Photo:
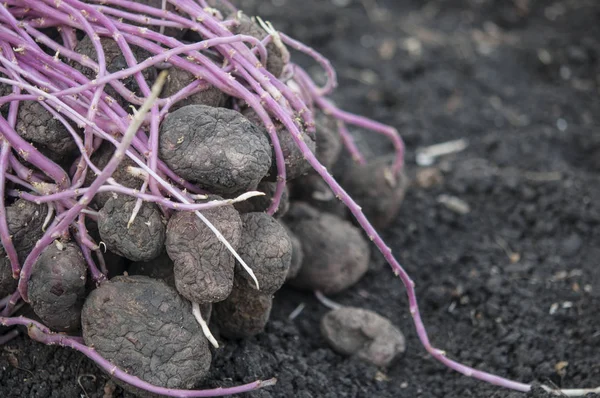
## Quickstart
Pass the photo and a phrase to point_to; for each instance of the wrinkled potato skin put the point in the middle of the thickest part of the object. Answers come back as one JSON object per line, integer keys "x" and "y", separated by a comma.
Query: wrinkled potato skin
{"x": 179, "y": 79}
{"x": 100, "y": 158}
{"x": 145, "y": 328}
{"x": 217, "y": 148}
{"x": 297, "y": 254}
{"x": 57, "y": 287}
{"x": 25, "y": 220}
{"x": 267, "y": 250}
{"x": 8, "y": 284}
{"x": 360, "y": 332}
{"x": 143, "y": 240}
{"x": 203, "y": 266}
{"x": 379, "y": 198}
{"x": 244, "y": 313}
{"x": 275, "y": 55}
{"x": 36, "y": 124}
{"x": 295, "y": 163}
{"x": 336, "y": 255}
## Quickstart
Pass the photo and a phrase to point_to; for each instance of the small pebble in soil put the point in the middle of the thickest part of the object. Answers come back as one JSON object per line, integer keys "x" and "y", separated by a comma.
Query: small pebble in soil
{"x": 364, "y": 334}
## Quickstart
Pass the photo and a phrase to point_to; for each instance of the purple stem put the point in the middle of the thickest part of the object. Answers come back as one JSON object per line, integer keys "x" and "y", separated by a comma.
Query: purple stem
{"x": 39, "y": 332}
{"x": 349, "y": 143}
{"x": 360, "y": 121}
{"x": 5, "y": 235}
{"x": 321, "y": 60}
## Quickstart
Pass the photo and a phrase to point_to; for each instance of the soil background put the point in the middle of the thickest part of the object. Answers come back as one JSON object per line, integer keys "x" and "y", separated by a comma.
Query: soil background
{"x": 511, "y": 287}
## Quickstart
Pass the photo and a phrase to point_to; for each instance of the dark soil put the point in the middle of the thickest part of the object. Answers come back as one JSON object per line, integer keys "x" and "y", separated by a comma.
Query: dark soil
{"x": 512, "y": 287}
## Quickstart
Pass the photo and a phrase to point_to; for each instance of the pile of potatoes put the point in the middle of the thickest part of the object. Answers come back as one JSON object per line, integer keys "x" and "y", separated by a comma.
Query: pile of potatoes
{"x": 163, "y": 263}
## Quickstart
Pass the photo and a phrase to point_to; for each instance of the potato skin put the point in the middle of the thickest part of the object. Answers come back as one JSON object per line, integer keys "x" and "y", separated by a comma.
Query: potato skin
{"x": 244, "y": 313}
{"x": 203, "y": 266}
{"x": 267, "y": 249}
{"x": 364, "y": 333}
{"x": 379, "y": 197}
{"x": 57, "y": 287}
{"x": 336, "y": 255}
{"x": 143, "y": 240}
{"x": 100, "y": 158}
{"x": 295, "y": 163}
{"x": 145, "y": 328}
{"x": 161, "y": 268}
{"x": 329, "y": 143}
{"x": 25, "y": 220}
{"x": 36, "y": 124}
{"x": 179, "y": 79}
{"x": 8, "y": 284}
{"x": 217, "y": 148}
{"x": 297, "y": 254}
{"x": 275, "y": 55}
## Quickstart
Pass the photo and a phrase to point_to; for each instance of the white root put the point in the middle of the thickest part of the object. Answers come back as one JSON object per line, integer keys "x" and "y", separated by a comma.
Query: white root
{"x": 203, "y": 325}
{"x": 327, "y": 302}
{"x": 571, "y": 392}
{"x": 49, "y": 216}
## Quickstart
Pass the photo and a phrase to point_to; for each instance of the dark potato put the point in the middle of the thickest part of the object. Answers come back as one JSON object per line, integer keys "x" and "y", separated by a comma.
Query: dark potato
{"x": 360, "y": 332}
{"x": 373, "y": 187}
{"x": 115, "y": 62}
{"x": 267, "y": 250}
{"x": 295, "y": 163}
{"x": 100, "y": 158}
{"x": 37, "y": 125}
{"x": 178, "y": 79}
{"x": 336, "y": 255}
{"x": 329, "y": 143}
{"x": 297, "y": 254}
{"x": 143, "y": 240}
{"x": 244, "y": 313}
{"x": 25, "y": 220}
{"x": 262, "y": 203}
{"x": 160, "y": 267}
{"x": 215, "y": 147}
{"x": 312, "y": 189}
{"x": 8, "y": 284}
{"x": 145, "y": 328}
{"x": 202, "y": 264}
{"x": 275, "y": 54}
{"x": 57, "y": 287}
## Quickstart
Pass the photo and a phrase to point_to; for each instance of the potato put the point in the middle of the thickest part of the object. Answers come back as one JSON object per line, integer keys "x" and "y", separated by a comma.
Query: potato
{"x": 217, "y": 148}
{"x": 57, "y": 286}
{"x": 203, "y": 266}
{"x": 336, "y": 255}
{"x": 244, "y": 313}
{"x": 143, "y": 240}
{"x": 363, "y": 333}
{"x": 267, "y": 249}
{"x": 373, "y": 187}
{"x": 145, "y": 328}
